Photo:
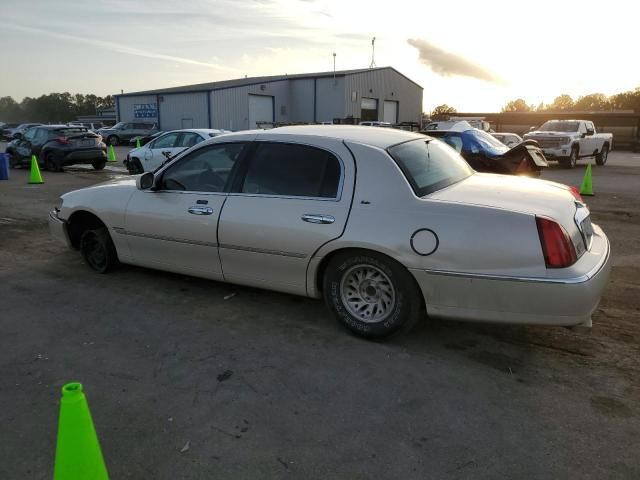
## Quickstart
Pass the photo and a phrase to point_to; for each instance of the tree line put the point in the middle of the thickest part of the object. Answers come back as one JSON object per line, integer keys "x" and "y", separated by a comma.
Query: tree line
{"x": 594, "y": 102}
{"x": 52, "y": 108}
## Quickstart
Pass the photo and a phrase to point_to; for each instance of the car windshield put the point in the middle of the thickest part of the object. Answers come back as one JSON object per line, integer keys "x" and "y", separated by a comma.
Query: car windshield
{"x": 429, "y": 165}
{"x": 556, "y": 126}
{"x": 487, "y": 141}
{"x": 118, "y": 125}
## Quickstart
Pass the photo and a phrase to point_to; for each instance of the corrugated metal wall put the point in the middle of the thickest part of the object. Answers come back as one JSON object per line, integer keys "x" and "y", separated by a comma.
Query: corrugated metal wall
{"x": 384, "y": 85}
{"x": 330, "y": 98}
{"x": 125, "y": 107}
{"x": 230, "y": 107}
{"x": 301, "y": 100}
{"x": 183, "y": 110}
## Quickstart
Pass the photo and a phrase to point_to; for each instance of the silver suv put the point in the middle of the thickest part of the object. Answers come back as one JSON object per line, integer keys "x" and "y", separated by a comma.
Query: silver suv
{"x": 125, "y": 131}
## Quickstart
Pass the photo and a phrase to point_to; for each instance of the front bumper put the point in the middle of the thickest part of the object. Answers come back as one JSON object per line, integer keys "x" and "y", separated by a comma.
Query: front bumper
{"x": 555, "y": 153}
{"x": 58, "y": 228}
{"x": 552, "y": 300}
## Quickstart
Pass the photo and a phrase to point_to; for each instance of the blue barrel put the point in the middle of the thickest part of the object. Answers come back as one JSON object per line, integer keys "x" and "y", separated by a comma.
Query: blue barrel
{"x": 4, "y": 166}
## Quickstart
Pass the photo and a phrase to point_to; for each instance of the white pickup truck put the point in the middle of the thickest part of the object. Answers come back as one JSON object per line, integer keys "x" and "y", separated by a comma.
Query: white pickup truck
{"x": 568, "y": 140}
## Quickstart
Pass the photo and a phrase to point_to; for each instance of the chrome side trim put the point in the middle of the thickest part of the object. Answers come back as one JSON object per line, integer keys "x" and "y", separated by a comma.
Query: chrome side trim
{"x": 262, "y": 250}
{"x": 512, "y": 278}
{"x": 122, "y": 231}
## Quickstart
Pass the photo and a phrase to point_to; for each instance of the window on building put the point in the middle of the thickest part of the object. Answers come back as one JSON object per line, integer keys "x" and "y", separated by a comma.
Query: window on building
{"x": 369, "y": 109}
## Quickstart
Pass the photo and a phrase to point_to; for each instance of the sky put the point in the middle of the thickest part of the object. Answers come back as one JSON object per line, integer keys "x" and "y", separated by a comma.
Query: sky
{"x": 473, "y": 55}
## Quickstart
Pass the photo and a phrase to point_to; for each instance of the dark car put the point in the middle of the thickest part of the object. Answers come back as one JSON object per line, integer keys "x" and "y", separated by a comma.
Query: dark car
{"x": 56, "y": 146}
{"x": 144, "y": 139}
{"x": 6, "y": 130}
{"x": 122, "y": 132}
{"x": 486, "y": 154}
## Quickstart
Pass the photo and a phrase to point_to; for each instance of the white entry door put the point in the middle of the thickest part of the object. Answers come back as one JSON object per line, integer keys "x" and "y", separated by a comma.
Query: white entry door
{"x": 390, "y": 111}
{"x": 260, "y": 110}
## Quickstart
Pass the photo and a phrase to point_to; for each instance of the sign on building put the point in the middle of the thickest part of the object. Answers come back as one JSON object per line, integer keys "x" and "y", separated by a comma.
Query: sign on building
{"x": 145, "y": 110}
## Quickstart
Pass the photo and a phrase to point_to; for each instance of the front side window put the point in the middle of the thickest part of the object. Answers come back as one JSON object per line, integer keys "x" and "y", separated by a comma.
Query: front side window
{"x": 165, "y": 141}
{"x": 292, "y": 170}
{"x": 429, "y": 165}
{"x": 188, "y": 139}
{"x": 206, "y": 170}
{"x": 31, "y": 133}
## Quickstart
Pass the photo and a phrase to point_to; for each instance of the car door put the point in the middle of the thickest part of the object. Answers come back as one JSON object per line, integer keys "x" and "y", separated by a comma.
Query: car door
{"x": 174, "y": 227}
{"x": 291, "y": 199}
{"x": 157, "y": 151}
{"x": 590, "y": 138}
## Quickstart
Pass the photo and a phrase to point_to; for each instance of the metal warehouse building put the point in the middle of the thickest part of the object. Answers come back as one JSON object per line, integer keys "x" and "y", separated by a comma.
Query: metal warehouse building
{"x": 351, "y": 95}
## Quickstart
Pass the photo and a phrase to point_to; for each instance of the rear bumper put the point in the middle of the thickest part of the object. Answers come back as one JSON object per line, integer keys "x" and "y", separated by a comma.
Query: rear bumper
{"x": 58, "y": 228}
{"x": 535, "y": 301}
{"x": 85, "y": 156}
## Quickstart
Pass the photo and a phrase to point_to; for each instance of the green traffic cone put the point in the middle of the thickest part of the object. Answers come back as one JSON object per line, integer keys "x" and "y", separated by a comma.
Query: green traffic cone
{"x": 586, "y": 188}
{"x": 34, "y": 176}
{"x": 78, "y": 454}
{"x": 112, "y": 154}
{"x": 138, "y": 142}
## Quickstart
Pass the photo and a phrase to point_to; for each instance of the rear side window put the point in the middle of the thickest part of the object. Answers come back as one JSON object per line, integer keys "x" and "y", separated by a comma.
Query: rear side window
{"x": 285, "y": 169}
{"x": 429, "y": 165}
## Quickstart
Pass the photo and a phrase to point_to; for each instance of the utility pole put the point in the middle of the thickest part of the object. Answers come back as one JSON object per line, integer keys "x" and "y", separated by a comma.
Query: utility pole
{"x": 334, "y": 68}
{"x": 373, "y": 52}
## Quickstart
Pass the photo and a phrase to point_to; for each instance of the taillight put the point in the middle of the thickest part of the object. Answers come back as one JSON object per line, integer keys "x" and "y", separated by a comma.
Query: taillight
{"x": 557, "y": 248}
{"x": 63, "y": 140}
{"x": 576, "y": 194}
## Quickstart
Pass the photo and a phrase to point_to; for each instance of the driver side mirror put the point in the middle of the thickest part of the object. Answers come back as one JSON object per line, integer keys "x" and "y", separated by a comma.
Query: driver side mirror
{"x": 17, "y": 135}
{"x": 145, "y": 181}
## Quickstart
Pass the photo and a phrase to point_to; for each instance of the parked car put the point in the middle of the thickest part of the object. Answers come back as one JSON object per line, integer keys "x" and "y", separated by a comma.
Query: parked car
{"x": 6, "y": 130}
{"x": 569, "y": 140}
{"x": 150, "y": 156}
{"x": 388, "y": 226}
{"x": 448, "y": 124}
{"x": 509, "y": 139}
{"x": 144, "y": 139}
{"x": 486, "y": 154}
{"x": 122, "y": 132}
{"x": 14, "y": 133}
{"x": 56, "y": 146}
{"x": 94, "y": 126}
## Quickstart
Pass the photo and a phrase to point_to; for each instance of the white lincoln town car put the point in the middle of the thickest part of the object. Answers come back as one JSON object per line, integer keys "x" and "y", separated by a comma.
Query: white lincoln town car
{"x": 388, "y": 226}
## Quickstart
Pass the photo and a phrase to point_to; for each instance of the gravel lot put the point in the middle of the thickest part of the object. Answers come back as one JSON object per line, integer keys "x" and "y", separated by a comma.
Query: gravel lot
{"x": 262, "y": 385}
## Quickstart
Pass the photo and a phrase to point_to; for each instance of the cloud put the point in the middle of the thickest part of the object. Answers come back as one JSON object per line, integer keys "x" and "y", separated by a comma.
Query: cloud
{"x": 445, "y": 63}
{"x": 119, "y": 48}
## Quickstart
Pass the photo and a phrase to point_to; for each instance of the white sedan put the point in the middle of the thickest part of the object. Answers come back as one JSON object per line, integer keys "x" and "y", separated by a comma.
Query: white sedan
{"x": 388, "y": 226}
{"x": 150, "y": 156}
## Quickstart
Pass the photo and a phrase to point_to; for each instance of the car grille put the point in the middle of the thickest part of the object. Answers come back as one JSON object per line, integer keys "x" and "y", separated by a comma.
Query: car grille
{"x": 551, "y": 142}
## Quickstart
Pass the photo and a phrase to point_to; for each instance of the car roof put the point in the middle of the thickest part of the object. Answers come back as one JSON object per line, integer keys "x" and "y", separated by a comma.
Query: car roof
{"x": 377, "y": 137}
{"x": 56, "y": 127}
{"x": 203, "y": 131}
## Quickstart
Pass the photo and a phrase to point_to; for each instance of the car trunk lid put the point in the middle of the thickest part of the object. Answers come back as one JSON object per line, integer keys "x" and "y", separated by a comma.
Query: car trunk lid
{"x": 522, "y": 194}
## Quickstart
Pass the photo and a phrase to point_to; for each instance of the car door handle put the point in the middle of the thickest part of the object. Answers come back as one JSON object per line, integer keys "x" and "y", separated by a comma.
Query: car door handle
{"x": 317, "y": 218}
{"x": 201, "y": 210}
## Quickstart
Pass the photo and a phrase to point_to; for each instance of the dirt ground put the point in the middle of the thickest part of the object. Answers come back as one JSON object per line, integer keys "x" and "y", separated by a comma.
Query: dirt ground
{"x": 195, "y": 379}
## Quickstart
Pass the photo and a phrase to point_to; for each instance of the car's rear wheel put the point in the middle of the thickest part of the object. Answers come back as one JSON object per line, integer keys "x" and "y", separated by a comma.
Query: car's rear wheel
{"x": 98, "y": 250}
{"x": 601, "y": 158}
{"x": 14, "y": 161}
{"x": 113, "y": 140}
{"x": 51, "y": 163}
{"x": 572, "y": 160}
{"x": 370, "y": 294}
{"x": 98, "y": 164}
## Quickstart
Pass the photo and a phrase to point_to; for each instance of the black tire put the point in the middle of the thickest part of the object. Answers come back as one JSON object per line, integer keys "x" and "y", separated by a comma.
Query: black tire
{"x": 113, "y": 140}
{"x": 51, "y": 163}
{"x": 601, "y": 158}
{"x": 98, "y": 250}
{"x": 135, "y": 166}
{"x": 572, "y": 160}
{"x": 14, "y": 162}
{"x": 98, "y": 164}
{"x": 403, "y": 312}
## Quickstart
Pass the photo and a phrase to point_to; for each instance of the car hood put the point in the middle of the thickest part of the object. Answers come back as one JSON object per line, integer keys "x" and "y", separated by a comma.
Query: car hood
{"x": 121, "y": 184}
{"x": 514, "y": 193}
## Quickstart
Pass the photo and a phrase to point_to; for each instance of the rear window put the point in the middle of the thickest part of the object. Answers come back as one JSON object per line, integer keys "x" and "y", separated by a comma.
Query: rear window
{"x": 429, "y": 165}
{"x": 65, "y": 132}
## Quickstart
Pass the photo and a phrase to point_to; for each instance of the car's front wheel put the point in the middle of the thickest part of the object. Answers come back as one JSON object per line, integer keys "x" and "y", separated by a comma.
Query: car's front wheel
{"x": 371, "y": 294}
{"x": 51, "y": 163}
{"x": 571, "y": 161}
{"x": 601, "y": 158}
{"x": 98, "y": 250}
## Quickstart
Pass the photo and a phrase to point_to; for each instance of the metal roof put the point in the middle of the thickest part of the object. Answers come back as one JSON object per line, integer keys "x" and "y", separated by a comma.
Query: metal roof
{"x": 241, "y": 82}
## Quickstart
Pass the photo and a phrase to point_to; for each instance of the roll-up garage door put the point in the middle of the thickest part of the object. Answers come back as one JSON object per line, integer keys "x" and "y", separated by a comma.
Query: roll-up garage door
{"x": 390, "y": 111}
{"x": 260, "y": 110}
